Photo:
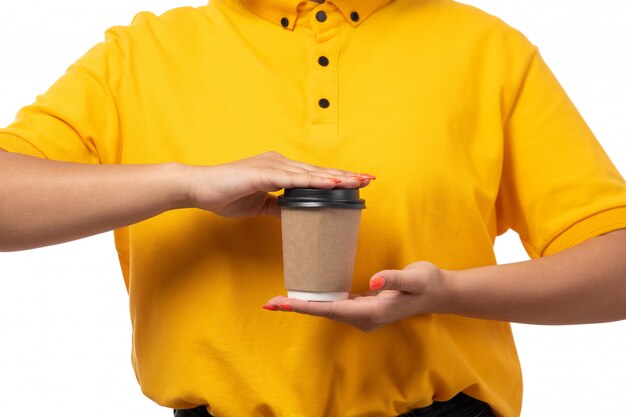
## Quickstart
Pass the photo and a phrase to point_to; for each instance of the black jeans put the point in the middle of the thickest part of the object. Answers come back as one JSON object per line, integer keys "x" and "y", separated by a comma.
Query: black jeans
{"x": 460, "y": 406}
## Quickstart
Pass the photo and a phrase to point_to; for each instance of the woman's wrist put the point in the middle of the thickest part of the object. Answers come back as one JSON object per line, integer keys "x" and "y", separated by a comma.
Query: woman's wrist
{"x": 445, "y": 293}
{"x": 478, "y": 292}
{"x": 178, "y": 180}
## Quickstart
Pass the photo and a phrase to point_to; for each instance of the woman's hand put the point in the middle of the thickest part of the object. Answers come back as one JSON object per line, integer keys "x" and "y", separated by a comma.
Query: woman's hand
{"x": 417, "y": 289}
{"x": 45, "y": 202}
{"x": 240, "y": 188}
{"x": 585, "y": 283}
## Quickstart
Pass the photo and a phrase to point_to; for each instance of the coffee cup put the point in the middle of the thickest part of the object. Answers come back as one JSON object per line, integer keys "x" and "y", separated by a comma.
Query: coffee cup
{"x": 320, "y": 230}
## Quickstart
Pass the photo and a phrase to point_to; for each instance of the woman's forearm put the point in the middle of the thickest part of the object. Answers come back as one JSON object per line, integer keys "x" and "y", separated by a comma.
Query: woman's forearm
{"x": 46, "y": 202}
{"x": 583, "y": 284}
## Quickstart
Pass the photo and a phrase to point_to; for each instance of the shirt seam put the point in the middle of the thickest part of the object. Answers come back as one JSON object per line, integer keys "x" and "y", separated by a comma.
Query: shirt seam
{"x": 520, "y": 86}
{"x": 571, "y": 236}
{"x": 20, "y": 139}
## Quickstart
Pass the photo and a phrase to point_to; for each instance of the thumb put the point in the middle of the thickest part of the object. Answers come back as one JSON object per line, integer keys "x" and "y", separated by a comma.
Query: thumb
{"x": 387, "y": 280}
{"x": 409, "y": 280}
{"x": 270, "y": 206}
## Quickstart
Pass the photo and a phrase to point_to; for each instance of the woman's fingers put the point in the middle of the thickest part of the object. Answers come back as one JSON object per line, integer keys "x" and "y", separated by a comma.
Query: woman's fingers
{"x": 337, "y": 173}
{"x": 365, "y": 312}
{"x": 302, "y": 167}
{"x": 278, "y": 179}
{"x": 315, "y": 170}
{"x": 357, "y": 308}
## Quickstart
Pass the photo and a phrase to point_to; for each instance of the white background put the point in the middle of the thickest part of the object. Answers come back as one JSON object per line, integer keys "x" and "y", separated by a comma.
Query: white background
{"x": 64, "y": 325}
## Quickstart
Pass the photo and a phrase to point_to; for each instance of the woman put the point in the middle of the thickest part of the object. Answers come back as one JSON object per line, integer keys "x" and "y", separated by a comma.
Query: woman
{"x": 455, "y": 112}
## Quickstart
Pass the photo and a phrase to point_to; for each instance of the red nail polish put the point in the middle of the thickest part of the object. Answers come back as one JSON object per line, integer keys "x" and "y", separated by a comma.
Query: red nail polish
{"x": 335, "y": 180}
{"x": 270, "y": 307}
{"x": 368, "y": 176}
{"x": 286, "y": 307}
{"x": 377, "y": 283}
{"x": 359, "y": 177}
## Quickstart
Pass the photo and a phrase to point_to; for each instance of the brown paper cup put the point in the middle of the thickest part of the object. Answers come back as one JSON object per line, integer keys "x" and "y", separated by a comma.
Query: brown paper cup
{"x": 319, "y": 251}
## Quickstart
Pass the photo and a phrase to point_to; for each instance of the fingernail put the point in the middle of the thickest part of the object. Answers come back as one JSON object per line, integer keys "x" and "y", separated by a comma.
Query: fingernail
{"x": 368, "y": 176}
{"x": 270, "y": 307}
{"x": 377, "y": 283}
{"x": 359, "y": 177}
{"x": 286, "y": 307}
{"x": 335, "y": 180}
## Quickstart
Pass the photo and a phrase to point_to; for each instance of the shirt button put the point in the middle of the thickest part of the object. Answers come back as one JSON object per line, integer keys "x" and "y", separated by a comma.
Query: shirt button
{"x": 354, "y": 16}
{"x": 323, "y": 61}
{"x": 324, "y": 103}
{"x": 284, "y": 22}
{"x": 320, "y": 16}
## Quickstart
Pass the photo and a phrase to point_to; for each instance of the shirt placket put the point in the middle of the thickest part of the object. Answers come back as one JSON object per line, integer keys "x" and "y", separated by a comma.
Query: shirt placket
{"x": 322, "y": 39}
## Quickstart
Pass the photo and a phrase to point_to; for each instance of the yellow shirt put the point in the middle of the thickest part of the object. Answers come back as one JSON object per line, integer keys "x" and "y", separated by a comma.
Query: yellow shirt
{"x": 455, "y": 112}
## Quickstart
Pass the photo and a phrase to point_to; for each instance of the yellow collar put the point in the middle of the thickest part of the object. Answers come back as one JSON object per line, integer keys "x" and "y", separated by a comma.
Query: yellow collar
{"x": 284, "y": 12}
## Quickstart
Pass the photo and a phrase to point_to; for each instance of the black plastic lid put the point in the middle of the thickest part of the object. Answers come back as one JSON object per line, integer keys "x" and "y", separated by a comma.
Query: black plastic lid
{"x": 347, "y": 198}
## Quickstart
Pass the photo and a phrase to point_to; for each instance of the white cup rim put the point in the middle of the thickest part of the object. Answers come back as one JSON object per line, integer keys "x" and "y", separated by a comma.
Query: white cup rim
{"x": 318, "y": 296}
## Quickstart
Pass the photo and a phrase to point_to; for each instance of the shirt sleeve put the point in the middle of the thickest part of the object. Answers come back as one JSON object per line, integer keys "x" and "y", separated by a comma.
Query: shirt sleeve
{"x": 76, "y": 119}
{"x": 558, "y": 186}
